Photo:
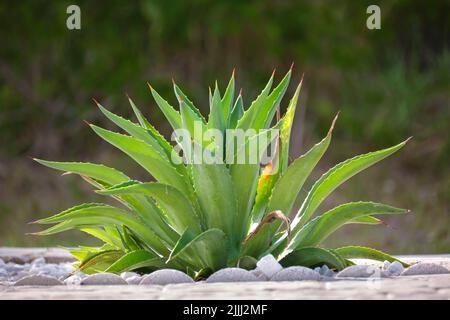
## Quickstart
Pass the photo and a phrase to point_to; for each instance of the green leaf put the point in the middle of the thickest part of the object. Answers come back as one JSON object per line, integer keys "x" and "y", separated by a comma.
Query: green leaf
{"x": 169, "y": 112}
{"x": 142, "y": 120}
{"x": 334, "y": 177}
{"x": 317, "y": 230}
{"x": 95, "y": 171}
{"x": 269, "y": 107}
{"x": 136, "y": 260}
{"x": 215, "y": 191}
{"x": 366, "y": 220}
{"x": 152, "y": 131}
{"x": 211, "y": 246}
{"x": 227, "y": 100}
{"x": 288, "y": 186}
{"x": 237, "y": 112}
{"x": 312, "y": 257}
{"x": 285, "y": 132}
{"x": 286, "y": 190}
{"x": 102, "y": 257}
{"x": 182, "y": 97}
{"x": 104, "y": 236}
{"x": 216, "y": 119}
{"x": 62, "y": 215}
{"x": 101, "y": 216}
{"x": 249, "y": 117}
{"x": 129, "y": 240}
{"x": 357, "y": 252}
{"x": 179, "y": 210}
{"x": 247, "y": 263}
{"x": 151, "y": 160}
{"x": 190, "y": 121}
{"x": 245, "y": 176}
{"x": 136, "y": 131}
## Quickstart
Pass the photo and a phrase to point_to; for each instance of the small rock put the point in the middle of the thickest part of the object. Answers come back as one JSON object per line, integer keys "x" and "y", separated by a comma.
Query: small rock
{"x": 2, "y": 263}
{"x": 20, "y": 275}
{"x": 360, "y": 271}
{"x": 425, "y": 268}
{"x": 296, "y": 273}
{"x": 126, "y": 275}
{"x": 326, "y": 272}
{"x": 395, "y": 268}
{"x": 3, "y": 274}
{"x": 259, "y": 275}
{"x": 386, "y": 265}
{"x": 38, "y": 261}
{"x": 268, "y": 265}
{"x": 73, "y": 280}
{"x": 14, "y": 268}
{"x": 35, "y": 280}
{"x": 166, "y": 276}
{"x": 232, "y": 275}
{"x": 104, "y": 278}
{"x": 134, "y": 280}
{"x": 67, "y": 267}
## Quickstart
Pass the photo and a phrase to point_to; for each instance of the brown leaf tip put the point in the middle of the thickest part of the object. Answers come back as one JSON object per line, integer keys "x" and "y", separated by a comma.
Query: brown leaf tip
{"x": 333, "y": 123}
{"x": 96, "y": 102}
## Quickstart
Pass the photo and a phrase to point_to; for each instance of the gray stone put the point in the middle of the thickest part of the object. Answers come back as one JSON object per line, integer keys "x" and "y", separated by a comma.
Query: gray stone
{"x": 104, "y": 278}
{"x": 166, "y": 276}
{"x": 232, "y": 275}
{"x": 3, "y": 273}
{"x": 259, "y": 275}
{"x": 325, "y": 271}
{"x": 360, "y": 271}
{"x": 36, "y": 280}
{"x": 268, "y": 265}
{"x": 73, "y": 280}
{"x": 2, "y": 263}
{"x": 395, "y": 268}
{"x": 296, "y": 274}
{"x": 126, "y": 275}
{"x": 134, "y": 280}
{"x": 385, "y": 265}
{"x": 425, "y": 268}
{"x": 24, "y": 255}
{"x": 38, "y": 261}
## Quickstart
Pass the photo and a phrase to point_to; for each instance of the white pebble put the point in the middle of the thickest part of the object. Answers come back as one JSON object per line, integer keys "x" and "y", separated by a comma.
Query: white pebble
{"x": 38, "y": 261}
{"x": 386, "y": 265}
{"x": 166, "y": 276}
{"x": 3, "y": 273}
{"x": 425, "y": 268}
{"x": 259, "y": 275}
{"x": 232, "y": 275}
{"x": 126, "y": 275}
{"x": 103, "y": 278}
{"x": 38, "y": 281}
{"x": 73, "y": 280}
{"x": 395, "y": 268}
{"x": 268, "y": 265}
{"x": 360, "y": 271}
{"x": 134, "y": 280}
{"x": 296, "y": 273}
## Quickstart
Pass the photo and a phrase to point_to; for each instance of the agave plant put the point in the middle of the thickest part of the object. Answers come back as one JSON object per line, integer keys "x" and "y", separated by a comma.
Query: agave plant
{"x": 201, "y": 217}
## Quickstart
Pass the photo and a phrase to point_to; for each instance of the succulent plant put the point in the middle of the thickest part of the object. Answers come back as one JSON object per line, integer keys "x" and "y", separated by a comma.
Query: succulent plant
{"x": 199, "y": 217}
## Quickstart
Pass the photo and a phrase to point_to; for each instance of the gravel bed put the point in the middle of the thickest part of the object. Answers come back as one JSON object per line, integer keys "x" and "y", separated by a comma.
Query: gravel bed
{"x": 38, "y": 272}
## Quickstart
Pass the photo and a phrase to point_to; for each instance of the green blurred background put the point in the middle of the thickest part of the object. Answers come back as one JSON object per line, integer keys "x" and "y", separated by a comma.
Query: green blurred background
{"x": 389, "y": 84}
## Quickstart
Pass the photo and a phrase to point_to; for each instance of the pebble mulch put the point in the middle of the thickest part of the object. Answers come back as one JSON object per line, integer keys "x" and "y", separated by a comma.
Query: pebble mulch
{"x": 40, "y": 273}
